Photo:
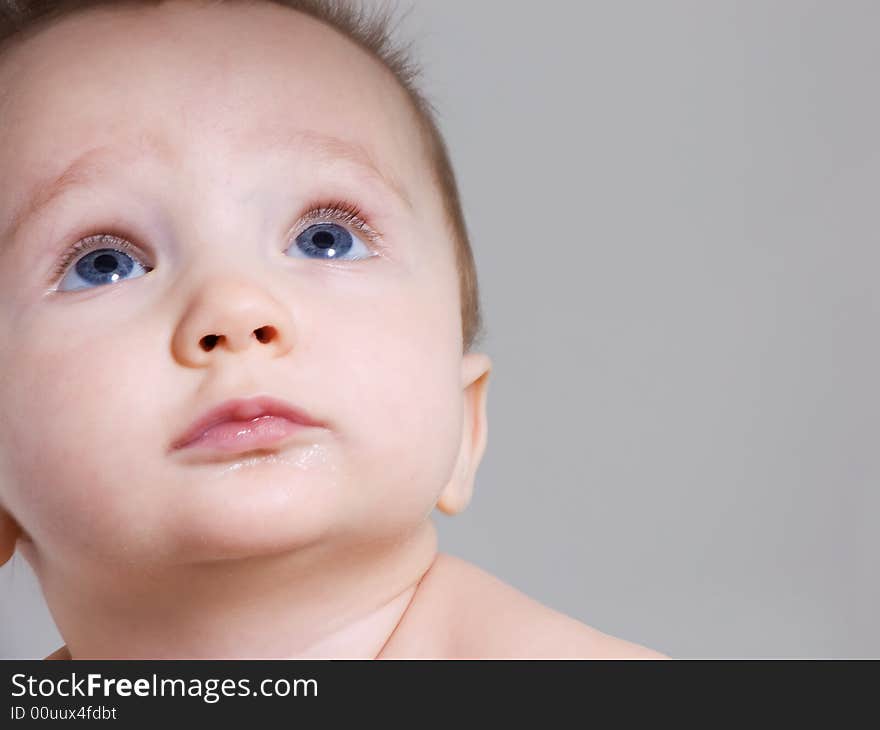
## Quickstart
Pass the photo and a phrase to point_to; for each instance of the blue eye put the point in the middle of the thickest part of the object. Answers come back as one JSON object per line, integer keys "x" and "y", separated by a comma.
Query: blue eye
{"x": 107, "y": 265}
{"x": 329, "y": 241}
{"x": 109, "y": 258}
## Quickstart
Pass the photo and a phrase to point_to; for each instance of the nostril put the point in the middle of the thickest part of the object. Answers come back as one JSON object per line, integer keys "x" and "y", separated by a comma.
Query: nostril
{"x": 264, "y": 334}
{"x": 209, "y": 341}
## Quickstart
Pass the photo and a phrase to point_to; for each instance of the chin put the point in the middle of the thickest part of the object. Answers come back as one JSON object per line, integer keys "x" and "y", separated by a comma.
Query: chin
{"x": 257, "y": 516}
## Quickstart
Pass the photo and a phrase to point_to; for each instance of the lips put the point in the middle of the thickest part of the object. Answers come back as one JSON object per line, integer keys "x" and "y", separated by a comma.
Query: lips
{"x": 245, "y": 422}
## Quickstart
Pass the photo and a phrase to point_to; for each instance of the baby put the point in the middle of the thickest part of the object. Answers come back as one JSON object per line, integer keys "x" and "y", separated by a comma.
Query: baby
{"x": 239, "y": 311}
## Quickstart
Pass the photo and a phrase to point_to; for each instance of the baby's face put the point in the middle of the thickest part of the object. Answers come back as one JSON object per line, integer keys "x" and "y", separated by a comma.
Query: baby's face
{"x": 206, "y": 139}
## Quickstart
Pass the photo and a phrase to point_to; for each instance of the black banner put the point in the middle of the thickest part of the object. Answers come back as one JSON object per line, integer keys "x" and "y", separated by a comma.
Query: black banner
{"x": 561, "y": 692}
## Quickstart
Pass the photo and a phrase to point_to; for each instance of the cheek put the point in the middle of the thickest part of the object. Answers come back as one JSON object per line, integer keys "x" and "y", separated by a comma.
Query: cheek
{"x": 71, "y": 421}
{"x": 398, "y": 392}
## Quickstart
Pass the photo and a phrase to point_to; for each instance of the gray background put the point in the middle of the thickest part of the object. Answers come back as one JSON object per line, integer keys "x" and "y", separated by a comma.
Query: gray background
{"x": 674, "y": 213}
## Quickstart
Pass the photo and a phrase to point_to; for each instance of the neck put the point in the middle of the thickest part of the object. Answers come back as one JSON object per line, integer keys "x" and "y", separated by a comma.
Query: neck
{"x": 316, "y": 603}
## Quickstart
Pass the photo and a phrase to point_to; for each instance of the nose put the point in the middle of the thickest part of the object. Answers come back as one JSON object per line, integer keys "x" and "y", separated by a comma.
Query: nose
{"x": 232, "y": 316}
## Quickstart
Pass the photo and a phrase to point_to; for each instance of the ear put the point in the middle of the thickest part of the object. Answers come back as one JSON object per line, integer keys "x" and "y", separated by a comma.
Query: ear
{"x": 9, "y": 534}
{"x": 475, "y": 369}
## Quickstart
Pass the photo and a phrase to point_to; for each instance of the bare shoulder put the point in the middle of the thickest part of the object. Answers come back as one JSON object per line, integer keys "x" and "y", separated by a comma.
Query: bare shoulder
{"x": 60, "y": 654}
{"x": 462, "y": 611}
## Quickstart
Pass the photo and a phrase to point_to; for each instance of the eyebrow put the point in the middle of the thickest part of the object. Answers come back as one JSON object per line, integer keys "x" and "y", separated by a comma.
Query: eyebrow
{"x": 92, "y": 164}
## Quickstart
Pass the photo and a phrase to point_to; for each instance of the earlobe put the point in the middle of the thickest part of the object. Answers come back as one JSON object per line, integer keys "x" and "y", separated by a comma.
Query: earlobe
{"x": 9, "y": 534}
{"x": 475, "y": 371}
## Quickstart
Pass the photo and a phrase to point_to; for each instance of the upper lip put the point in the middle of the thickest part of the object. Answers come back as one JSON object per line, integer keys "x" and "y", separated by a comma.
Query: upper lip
{"x": 243, "y": 409}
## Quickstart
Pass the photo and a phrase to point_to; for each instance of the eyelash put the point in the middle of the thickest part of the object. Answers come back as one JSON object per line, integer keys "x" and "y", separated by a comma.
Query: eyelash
{"x": 339, "y": 211}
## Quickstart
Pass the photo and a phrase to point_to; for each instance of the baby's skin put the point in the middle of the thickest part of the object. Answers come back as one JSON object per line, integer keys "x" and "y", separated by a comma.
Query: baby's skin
{"x": 459, "y": 611}
{"x": 206, "y": 140}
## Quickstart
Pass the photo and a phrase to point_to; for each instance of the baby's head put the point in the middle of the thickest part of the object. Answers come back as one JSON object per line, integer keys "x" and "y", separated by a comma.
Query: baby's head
{"x": 205, "y": 201}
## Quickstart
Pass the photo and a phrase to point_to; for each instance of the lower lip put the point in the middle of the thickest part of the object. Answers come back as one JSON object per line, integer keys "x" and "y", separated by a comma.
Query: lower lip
{"x": 238, "y": 436}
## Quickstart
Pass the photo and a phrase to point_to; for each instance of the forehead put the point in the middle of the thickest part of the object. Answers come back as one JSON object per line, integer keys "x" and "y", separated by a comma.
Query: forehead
{"x": 190, "y": 80}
